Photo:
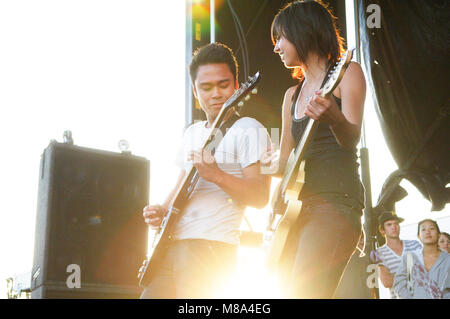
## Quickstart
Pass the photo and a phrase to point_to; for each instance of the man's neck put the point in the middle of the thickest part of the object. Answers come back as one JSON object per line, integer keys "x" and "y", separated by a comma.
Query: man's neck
{"x": 210, "y": 121}
{"x": 394, "y": 242}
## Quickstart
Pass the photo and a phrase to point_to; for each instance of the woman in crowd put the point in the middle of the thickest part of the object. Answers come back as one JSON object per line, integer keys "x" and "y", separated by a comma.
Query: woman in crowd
{"x": 444, "y": 242}
{"x": 424, "y": 274}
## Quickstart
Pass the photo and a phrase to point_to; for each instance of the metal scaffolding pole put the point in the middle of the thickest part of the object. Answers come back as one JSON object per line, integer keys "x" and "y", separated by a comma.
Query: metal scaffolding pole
{"x": 369, "y": 222}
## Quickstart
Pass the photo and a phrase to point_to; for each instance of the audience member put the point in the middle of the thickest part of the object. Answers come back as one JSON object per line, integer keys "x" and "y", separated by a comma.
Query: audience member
{"x": 444, "y": 242}
{"x": 389, "y": 256}
{"x": 424, "y": 274}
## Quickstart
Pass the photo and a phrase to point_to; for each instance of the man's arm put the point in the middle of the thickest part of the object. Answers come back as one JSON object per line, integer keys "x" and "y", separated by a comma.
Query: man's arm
{"x": 251, "y": 190}
{"x": 153, "y": 213}
{"x": 387, "y": 279}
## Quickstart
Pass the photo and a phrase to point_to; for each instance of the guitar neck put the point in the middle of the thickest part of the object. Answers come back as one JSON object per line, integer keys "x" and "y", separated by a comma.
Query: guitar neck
{"x": 192, "y": 176}
{"x": 190, "y": 180}
{"x": 181, "y": 194}
{"x": 302, "y": 145}
{"x": 307, "y": 136}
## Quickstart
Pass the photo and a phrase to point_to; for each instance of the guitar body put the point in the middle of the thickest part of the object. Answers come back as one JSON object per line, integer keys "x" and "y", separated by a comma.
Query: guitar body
{"x": 291, "y": 210}
{"x": 158, "y": 248}
{"x": 163, "y": 236}
{"x": 285, "y": 200}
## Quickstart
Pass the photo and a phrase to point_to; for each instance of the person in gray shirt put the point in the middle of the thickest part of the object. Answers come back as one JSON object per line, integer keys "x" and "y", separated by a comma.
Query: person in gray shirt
{"x": 424, "y": 274}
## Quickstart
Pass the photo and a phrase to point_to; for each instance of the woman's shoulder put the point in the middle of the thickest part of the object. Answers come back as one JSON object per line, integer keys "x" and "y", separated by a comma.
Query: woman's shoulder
{"x": 352, "y": 80}
{"x": 289, "y": 96}
{"x": 446, "y": 256}
{"x": 290, "y": 92}
{"x": 354, "y": 73}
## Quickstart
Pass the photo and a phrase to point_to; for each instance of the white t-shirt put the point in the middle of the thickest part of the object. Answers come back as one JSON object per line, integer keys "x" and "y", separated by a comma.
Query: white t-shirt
{"x": 392, "y": 261}
{"x": 210, "y": 212}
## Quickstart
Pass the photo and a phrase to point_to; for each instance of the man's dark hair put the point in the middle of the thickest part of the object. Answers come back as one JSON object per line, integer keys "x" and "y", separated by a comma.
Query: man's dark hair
{"x": 310, "y": 27}
{"x": 213, "y": 53}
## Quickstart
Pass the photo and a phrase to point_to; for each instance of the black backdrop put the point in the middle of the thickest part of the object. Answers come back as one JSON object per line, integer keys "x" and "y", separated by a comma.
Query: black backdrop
{"x": 408, "y": 61}
{"x": 256, "y": 18}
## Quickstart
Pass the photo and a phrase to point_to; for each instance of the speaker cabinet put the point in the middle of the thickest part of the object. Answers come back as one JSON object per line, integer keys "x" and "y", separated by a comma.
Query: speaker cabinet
{"x": 89, "y": 226}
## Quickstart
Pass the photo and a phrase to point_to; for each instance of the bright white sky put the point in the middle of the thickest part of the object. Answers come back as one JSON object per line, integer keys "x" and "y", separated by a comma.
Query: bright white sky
{"x": 106, "y": 70}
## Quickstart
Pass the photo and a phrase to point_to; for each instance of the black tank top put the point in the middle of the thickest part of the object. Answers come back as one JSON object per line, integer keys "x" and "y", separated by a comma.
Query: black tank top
{"x": 331, "y": 171}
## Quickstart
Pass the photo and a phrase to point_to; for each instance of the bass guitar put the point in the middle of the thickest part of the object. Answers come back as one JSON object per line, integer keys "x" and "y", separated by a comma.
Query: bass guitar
{"x": 285, "y": 203}
{"x": 164, "y": 232}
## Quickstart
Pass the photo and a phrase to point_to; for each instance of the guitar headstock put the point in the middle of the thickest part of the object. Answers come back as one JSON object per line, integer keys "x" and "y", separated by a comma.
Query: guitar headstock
{"x": 243, "y": 92}
{"x": 337, "y": 73}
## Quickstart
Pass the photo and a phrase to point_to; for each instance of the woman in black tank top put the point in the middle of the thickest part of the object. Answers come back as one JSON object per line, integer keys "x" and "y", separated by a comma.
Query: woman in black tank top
{"x": 329, "y": 225}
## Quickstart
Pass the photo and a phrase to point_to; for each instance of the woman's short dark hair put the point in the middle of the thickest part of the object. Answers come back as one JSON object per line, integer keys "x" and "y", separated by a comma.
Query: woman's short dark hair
{"x": 427, "y": 220}
{"x": 311, "y": 27}
{"x": 213, "y": 53}
{"x": 446, "y": 235}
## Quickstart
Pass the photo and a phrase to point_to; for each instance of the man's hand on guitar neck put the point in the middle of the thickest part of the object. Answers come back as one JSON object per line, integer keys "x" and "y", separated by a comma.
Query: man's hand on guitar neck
{"x": 270, "y": 161}
{"x": 206, "y": 165}
{"x": 250, "y": 190}
{"x": 153, "y": 215}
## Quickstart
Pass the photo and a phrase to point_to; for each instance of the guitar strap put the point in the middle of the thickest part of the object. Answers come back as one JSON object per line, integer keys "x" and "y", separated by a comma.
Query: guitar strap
{"x": 212, "y": 146}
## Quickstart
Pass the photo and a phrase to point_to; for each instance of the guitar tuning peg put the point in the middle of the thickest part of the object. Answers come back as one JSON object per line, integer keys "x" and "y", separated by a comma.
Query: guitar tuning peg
{"x": 255, "y": 91}
{"x": 247, "y": 97}
{"x": 241, "y": 104}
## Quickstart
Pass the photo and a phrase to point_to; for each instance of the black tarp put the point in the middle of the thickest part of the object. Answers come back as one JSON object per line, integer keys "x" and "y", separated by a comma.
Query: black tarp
{"x": 407, "y": 61}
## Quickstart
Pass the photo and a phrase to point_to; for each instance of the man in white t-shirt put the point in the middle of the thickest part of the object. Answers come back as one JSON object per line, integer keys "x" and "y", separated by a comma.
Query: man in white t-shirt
{"x": 206, "y": 236}
{"x": 389, "y": 256}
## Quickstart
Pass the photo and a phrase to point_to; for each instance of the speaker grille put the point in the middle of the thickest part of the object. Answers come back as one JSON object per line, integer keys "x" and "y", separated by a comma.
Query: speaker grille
{"x": 89, "y": 213}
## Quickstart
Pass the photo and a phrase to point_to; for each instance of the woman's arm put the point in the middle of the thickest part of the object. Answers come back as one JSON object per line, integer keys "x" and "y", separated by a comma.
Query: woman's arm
{"x": 345, "y": 124}
{"x": 287, "y": 142}
{"x": 353, "y": 94}
{"x": 271, "y": 163}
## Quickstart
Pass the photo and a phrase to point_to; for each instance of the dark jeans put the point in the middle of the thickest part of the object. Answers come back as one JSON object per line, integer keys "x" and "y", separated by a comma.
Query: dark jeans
{"x": 318, "y": 249}
{"x": 192, "y": 268}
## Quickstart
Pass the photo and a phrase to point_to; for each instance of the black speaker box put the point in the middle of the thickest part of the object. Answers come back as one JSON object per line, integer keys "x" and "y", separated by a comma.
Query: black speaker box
{"x": 89, "y": 215}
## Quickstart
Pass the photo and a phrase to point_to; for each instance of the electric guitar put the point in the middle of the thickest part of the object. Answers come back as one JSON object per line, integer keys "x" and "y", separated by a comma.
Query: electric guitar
{"x": 164, "y": 232}
{"x": 285, "y": 198}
